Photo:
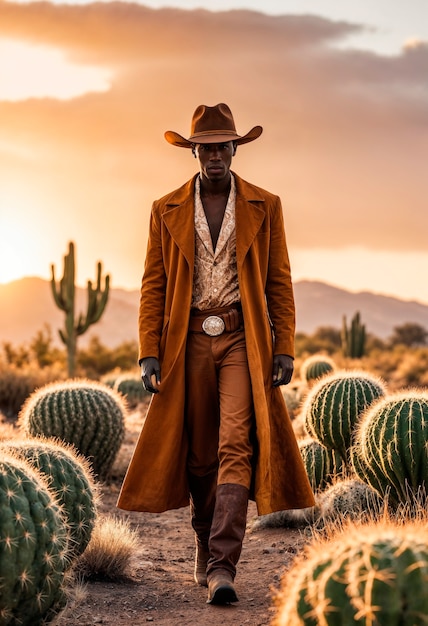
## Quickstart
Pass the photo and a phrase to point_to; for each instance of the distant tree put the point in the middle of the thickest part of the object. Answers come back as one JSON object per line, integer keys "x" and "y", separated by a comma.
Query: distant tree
{"x": 18, "y": 356}
{"x": 329, "y": 336}
{"x": 410, "y": 334}
{"x": 41, "y": 346}
{"x": 97, "y": 359}
{"x": 324, "y": 339}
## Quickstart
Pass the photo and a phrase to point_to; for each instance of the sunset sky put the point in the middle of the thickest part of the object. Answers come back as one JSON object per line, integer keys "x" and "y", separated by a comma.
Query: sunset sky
{"x": 87, "y": 91}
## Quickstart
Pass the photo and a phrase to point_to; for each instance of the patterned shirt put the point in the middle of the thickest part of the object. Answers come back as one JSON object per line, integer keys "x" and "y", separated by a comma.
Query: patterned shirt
{"x": 215, "y": 282}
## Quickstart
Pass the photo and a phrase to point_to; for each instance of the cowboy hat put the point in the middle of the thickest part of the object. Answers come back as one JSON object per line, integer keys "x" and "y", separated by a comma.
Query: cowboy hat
{"x": 212, "y": 125}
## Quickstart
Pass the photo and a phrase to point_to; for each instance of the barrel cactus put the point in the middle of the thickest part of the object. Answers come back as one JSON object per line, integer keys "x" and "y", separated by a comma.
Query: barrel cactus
{"x": 322, "y": 464}
{"x": 132, "y": 388}
{"x": 368, "y": 574}
{"x": 315, "y": 367}
{"x": 349, "y": 498}
{"x": 33, "y": 546}
{"x": 391, "y": 446}
{"x": 335, "y": 404}
{"x": 69, "y": 477}
{"x": 84, "y": 413}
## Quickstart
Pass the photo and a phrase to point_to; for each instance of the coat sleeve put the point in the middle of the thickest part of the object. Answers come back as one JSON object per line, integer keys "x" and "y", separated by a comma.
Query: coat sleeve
{"x": 279, "y": 288}
{"x": 152, "y": 299}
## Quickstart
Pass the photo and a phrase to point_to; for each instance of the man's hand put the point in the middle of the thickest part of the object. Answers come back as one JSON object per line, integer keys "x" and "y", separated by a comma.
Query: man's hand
{"x": 150, "y": 374}
{"x": 283, "y": 367}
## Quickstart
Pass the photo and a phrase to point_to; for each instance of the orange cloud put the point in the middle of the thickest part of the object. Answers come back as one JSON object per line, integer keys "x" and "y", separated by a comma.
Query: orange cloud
{"x": 345, "y": 139}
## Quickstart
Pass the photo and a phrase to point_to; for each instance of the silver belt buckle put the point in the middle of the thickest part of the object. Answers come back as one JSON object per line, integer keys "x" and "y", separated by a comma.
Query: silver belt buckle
{"x": 213, "y": 325}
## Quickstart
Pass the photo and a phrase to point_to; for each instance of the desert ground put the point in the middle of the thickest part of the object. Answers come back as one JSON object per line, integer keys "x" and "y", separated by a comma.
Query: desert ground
{"x": 159, "y": 586}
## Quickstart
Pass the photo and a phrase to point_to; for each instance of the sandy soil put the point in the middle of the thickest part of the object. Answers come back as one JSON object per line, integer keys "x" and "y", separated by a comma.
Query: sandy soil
{"x": 161, "y": 589}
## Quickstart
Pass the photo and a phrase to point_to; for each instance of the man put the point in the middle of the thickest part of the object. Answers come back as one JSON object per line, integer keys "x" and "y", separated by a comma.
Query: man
{"x": 216, "y": 328}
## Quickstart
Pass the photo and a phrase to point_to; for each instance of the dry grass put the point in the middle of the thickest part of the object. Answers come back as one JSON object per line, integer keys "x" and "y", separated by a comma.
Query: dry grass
{"x": 77, "y": 593}
{"x": 109, "y": 553}
{"x": 8, "y": 430}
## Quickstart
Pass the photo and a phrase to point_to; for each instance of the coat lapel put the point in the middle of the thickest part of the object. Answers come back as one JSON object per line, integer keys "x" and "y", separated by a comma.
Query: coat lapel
{"x": 250, "y": 213}
{"x": 178, "y": 217}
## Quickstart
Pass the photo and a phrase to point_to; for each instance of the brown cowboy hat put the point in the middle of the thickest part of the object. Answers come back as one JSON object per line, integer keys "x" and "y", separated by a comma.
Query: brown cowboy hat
{"x": 212, "y": 125}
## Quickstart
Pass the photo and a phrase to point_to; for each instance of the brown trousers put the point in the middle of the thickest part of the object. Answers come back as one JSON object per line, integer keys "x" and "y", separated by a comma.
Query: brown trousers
{"x": 219, "y": 407}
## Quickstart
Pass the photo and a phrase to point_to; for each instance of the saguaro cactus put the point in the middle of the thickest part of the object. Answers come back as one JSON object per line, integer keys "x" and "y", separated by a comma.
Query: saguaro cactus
{"x": 353, "y": 338}
{"x": 65, "y": 298}
{"x": 368, "y": 574}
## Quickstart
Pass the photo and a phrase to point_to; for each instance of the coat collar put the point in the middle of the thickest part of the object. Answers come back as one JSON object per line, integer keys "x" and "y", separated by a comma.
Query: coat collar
{"x": 178, "y": 217}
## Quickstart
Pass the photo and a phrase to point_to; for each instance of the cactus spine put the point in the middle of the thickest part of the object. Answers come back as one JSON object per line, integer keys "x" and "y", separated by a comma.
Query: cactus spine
{"x": 368, "y": 574}
{"x": 65, "y": 298}
{"x": 391, "y": 446}
{"x": 322, "y": 464}
{"x": 353, "y": 338}
{"x": 84, "y": 413}
{"x": 334, "y": 406}
{"x": 69, "y": 477}
{"x": 33, "y": 547}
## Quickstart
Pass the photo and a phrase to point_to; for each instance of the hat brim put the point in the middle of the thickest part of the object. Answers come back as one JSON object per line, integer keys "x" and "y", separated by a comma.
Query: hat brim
{"x": 212, "y": 137}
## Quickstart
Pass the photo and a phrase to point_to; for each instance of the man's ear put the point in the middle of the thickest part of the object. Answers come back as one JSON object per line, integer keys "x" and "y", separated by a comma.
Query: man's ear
{"x": 194, "y": 150}
{"x": 234, "y": 148}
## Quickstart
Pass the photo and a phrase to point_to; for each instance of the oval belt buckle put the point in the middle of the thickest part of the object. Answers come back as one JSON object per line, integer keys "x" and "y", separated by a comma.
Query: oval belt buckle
{"x": 213, "y": 325}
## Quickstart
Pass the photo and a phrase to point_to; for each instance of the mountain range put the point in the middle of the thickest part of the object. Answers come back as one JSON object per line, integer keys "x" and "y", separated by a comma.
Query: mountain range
{"x": 27, "y": 305}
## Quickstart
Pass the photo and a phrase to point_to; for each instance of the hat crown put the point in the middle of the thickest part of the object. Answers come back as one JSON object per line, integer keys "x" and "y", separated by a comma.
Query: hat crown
{"x": 212, "y": 125}
{"x": 218, "y": 118}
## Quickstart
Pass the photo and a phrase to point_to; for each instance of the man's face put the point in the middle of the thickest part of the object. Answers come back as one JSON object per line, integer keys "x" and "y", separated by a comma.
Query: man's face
{"x": 215, "y": 159}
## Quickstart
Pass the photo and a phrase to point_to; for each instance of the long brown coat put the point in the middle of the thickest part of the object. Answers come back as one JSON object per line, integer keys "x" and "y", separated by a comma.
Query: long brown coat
{"x": 156, "y": 478}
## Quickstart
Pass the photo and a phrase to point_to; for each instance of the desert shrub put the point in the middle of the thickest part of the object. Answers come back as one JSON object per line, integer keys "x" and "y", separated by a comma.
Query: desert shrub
{"x": 7, "y": 429}
{"x": 291, "y": 518}
{"x": 16, "y": 384}
{"x": 109, "y": 553}
{"x": 411, "y": 370}
{"x": 325, "y": 339}
{"x": 95, "y": 360}
{"x": 349, "y": 498}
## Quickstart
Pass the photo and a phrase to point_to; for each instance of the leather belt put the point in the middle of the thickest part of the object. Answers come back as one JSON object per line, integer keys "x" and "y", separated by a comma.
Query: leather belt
{"x": 215, "y": 325}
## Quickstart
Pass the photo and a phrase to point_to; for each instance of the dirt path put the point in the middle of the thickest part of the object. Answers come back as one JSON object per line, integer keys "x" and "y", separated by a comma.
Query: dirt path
{"x": 162, "y": 590}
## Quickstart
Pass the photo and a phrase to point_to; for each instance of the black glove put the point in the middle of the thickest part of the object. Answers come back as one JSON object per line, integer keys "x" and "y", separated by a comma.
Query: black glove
{"x": 283, "y": 367}
{"x": 150, "y": 367}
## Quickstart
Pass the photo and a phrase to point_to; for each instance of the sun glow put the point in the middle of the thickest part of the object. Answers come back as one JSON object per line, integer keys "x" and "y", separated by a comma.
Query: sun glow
{"x": 18, "y": 247}
{"x": 29, "y": 71}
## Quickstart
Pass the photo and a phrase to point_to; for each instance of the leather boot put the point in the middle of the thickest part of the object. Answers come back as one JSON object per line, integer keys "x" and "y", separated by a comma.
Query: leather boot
{"x": 225, "y": 544}
{"x": 202, "y": 501}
